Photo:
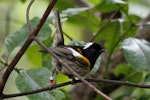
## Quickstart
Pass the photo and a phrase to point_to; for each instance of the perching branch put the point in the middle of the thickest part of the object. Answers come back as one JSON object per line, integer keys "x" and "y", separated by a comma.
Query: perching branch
{"x": 24, "y": 47}
{"x": 77, "y": 81}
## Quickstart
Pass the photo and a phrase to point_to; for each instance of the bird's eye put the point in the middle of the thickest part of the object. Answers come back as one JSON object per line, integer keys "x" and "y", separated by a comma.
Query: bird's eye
{"x": 92, "y": 50}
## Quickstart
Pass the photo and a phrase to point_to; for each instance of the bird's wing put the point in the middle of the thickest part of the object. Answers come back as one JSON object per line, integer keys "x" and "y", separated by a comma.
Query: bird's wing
{"x": 71, "y": 55}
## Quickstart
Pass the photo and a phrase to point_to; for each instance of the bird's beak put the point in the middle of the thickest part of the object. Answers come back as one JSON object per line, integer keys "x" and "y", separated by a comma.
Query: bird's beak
{"x": 103, "y": 50}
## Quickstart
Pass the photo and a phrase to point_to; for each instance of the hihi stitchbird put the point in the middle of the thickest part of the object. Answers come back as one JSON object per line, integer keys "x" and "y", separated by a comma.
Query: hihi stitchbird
{"x": 80, "y": 58}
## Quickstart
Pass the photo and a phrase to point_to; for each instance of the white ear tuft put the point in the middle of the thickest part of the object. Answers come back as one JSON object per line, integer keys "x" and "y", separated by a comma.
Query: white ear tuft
{"x": 87, "y": 45}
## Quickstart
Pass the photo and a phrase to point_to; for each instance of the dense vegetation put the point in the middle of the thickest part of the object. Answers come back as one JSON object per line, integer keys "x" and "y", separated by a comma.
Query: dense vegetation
{"x": 122, "y": 27}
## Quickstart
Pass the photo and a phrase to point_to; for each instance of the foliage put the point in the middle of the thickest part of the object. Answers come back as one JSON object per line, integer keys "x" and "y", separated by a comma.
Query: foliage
{"x": 137, "y": 50}
{"x": 18, "y": 38}
{"x": 117, "y": 35}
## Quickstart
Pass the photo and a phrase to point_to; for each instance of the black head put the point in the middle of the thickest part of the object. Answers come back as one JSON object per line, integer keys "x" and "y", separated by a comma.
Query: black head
{"x": 92, "y": 51}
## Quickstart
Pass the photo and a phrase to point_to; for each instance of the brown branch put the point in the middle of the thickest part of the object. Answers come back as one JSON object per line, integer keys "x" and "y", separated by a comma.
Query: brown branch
{"x": 77, "y": 81}
{"x": 58, "y": 22}
{"x": 24, "y": 47}
{"x": 103, "y": 27}
{"x": 58, "y": 37}
{"x": 72, "y": 71}
{"x": 27, "y": 15}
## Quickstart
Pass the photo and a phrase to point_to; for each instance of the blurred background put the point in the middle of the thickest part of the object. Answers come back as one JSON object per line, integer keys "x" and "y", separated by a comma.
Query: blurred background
{"x": 81, "y": 20}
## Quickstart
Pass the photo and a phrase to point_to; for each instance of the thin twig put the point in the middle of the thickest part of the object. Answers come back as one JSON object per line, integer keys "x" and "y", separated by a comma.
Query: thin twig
{"x": 58, "y": 22}
{"x": 77, "y": 81}
{"x": 72, "y": 71}
{"x": 27, "y": 15}
{"x": 58, "y": 38}
{"x": 69, "y": 37}
{"x": 24, "y": 47}
{"x": 103, "y": 27}
{"x": 59, "y": 27}
{"x": 2, "y": 62}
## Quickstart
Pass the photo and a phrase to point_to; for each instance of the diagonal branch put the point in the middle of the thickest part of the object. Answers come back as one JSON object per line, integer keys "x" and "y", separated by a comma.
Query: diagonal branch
{"x": 58, "y": 37}
{"x": 24, "y": 47}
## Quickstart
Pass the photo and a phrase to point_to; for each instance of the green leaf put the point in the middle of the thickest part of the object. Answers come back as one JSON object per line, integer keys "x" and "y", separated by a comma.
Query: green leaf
{"x": 47, "y": 60}
{"x": 147, "y": 77}
{"x": 135, "y": 77}
{"x": 144, "y": 96}
{"x": 33, "y": 55}
{"x": 46, "y": 57}
{"x": 95, "y": 2}
{"x": 119, "y": 1}
{"x": 59, "y": 95}
{"x": 110, "y": 5}
{"x": 68, "y": 4}
{"x": 35, "y": 79}
{"x": 68, "y": 13}
{"x": 73, "y": 11}
{"x": 106, "y": 6}
{"x": 110, "y": 34}
{"x": 1, "y": 51}
{"x": 96, "y": 66}
{"x": 128, "y": 73}
{"x": 137, "y": 53}
{"x": 89, "y": 21}
{"x": 123, "y": 69}
{"x": 67, "y": 95}
{"x": 18, "y": 38}
{"x": 23, "y": 1}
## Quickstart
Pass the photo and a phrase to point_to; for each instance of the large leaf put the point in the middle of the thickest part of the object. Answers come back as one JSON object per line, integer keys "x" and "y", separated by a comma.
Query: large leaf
{"x": 64, "y": 5}
{"x": 90, "y": 23}
{"x": 110, "y": 5}
{"x": 17, "y": 38}
{"x": 73, "y": 11}
{"x": 35, "y": 79}
{"x": 137, "y": 53}
{"x": 69, "y": 12}
{"x": 106, "y": 6}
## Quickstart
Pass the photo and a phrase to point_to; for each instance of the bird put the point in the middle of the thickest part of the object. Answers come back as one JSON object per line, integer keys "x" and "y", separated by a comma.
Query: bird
{"x": 80, "y": 58}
